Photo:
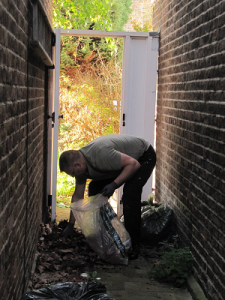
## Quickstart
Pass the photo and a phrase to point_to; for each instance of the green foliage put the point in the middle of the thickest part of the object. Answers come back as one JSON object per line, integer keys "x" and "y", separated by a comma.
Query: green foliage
{"x": 120, "y": 13}
{"x": 65, "y": 186}
{"x": 80, "y": 52}
{"x": 87, "y": 104}
{"x": 91, "y": 73}
{"x": 95, "y": 14}
{"x": 174, "y": 267}
{"x": 82, "y": 14}
{"x": 142, "y": 22}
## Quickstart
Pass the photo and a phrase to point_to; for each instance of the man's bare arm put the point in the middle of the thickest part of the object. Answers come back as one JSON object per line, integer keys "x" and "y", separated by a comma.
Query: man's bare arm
{"x": 130, "y": 167}
{"x": 78, "y": 195}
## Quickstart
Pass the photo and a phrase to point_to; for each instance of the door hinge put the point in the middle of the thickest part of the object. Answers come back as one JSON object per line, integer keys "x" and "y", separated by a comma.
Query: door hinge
{"x": 53, "y": 118}
{"x": 53, "y": 39}
{"x": 51, "y": 67}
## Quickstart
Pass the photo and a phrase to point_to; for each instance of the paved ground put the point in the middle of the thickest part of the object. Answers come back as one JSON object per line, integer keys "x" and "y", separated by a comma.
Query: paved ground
{"x": 132, "y": 282}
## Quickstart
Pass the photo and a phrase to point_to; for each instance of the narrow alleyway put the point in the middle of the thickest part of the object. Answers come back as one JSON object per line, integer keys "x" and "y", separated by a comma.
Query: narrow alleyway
{"x": 60, "y": 260}
{"x": 132, "y": 282}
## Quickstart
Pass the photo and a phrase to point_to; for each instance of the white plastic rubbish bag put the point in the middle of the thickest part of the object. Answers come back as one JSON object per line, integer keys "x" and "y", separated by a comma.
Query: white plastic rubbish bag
{"x": 102, "y": 228}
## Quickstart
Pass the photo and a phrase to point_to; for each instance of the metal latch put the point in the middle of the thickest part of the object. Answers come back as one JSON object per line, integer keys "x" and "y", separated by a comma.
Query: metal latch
{"x": 49, "y": 200}
{"x": 123, "y": 119}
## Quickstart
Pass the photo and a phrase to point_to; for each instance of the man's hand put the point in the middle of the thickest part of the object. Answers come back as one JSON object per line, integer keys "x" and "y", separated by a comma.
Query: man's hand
{"x": 109, "y": 189}
{"x": 68, "y": 232}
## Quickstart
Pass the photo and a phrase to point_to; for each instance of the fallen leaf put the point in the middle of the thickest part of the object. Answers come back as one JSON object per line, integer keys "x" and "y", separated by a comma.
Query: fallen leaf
{"x": 37, "y": 286}
{"x": 48, "y": 229}
{"x": 66, "y": 250}
{"x": 57, "y": 267}
{"x": 44, "y": 281}
{"x": 46, "y": 265}
{"x": 108, "y": 267}
{"x": 41, "y": 269}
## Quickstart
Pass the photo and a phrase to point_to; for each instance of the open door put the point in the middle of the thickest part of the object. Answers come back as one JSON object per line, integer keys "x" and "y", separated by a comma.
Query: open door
{"x": 140, "y": 58}
{"x": 138, "y": 92}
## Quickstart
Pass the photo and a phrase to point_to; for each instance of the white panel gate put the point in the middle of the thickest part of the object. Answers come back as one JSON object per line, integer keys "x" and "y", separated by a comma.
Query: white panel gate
{"x": 138, "y": 91}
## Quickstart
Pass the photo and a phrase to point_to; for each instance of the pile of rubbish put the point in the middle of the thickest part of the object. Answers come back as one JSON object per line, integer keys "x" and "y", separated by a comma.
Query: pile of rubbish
{"x": 157, "y": 223}
{"x": 61, "y": 260}
{"x": 101, "y": 244}
{"x": 102, "y": 228}
{"x": 70, "y": 291}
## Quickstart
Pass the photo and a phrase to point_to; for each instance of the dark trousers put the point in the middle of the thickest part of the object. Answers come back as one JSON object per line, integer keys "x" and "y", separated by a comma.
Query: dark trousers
{"x": 131, "y": 193}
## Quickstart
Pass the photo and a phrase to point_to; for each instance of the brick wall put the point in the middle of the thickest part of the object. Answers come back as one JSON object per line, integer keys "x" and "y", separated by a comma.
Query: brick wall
{"x": 23, "y": 146}
{"x": 190, "y": 175}
{"x": 47, "y": 5}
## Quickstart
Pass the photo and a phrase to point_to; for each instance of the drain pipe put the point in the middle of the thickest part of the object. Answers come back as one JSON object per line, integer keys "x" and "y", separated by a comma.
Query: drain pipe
{"x": 27, "y": 125}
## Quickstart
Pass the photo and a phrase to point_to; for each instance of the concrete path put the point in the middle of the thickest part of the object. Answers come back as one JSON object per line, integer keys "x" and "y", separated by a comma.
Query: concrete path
{"x": 132, "y": 282}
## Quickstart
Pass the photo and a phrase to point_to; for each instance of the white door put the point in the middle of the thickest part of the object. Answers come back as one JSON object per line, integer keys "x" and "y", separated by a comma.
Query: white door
{"x": 138, "y": 91}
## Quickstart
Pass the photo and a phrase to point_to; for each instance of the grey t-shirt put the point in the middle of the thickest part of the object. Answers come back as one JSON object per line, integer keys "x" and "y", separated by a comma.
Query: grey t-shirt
{"x": 103, "y": 155}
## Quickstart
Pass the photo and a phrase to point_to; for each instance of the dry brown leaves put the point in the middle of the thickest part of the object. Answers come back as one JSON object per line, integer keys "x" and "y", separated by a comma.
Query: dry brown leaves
{"x": 63, "y": 260}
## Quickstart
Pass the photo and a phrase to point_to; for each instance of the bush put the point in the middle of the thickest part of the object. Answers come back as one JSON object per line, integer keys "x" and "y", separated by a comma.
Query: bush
{"x": 174, "y": 267}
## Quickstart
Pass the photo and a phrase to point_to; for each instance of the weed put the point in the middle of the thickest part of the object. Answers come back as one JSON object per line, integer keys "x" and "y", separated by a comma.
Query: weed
{"x": 174, "y": 267}
{"x": 92, "y": 276}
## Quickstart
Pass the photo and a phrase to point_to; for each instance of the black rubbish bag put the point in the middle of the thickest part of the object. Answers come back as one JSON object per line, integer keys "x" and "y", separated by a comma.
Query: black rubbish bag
{"x": 90, "y": 290}
{"x": 156, "y": 223}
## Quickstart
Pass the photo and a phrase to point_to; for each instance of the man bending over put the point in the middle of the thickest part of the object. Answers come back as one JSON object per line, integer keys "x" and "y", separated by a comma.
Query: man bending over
{"x": 111, "y": 161}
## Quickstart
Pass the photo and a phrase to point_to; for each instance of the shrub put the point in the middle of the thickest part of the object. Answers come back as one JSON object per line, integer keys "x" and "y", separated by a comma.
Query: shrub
{"x": 174, "y": 267}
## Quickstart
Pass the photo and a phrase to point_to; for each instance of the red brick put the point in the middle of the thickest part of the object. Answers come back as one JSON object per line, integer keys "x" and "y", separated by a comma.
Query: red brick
{"x": 190, "y": 127}
{"x": 17, "y": 158}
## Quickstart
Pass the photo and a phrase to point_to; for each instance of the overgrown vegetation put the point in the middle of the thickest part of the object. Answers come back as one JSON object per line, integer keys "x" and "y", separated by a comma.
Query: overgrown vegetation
{"x": 142, "y": 23}
{"x": 95, "y": 15}
{"x": 90, "y": 97}
{"x": 90, "y": 103}
{"x": 174, "y": 267}
{"x": 85, "y": 14}
{"x": 90, "y": 74}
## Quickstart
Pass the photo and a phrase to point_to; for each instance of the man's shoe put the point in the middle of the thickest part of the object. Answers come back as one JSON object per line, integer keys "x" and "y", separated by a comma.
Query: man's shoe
{"x": 134, "y": 253}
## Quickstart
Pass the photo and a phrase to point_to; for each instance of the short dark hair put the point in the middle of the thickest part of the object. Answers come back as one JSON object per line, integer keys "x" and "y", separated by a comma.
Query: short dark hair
{"x": 67, "y": 158}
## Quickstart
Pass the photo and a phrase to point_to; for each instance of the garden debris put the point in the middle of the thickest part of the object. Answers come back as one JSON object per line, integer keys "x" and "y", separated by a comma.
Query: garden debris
{"x": 63, "y": 260}
{"x": 102, "y": 228}
{"x": 71, "y": 291}
{"x": 174, "y": 267}
{"x": 156, "y": 223}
